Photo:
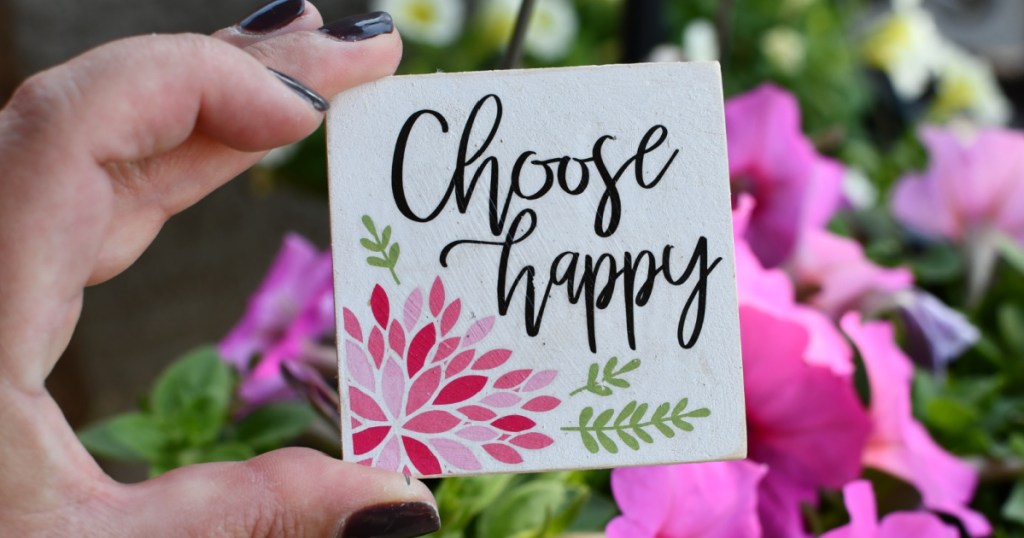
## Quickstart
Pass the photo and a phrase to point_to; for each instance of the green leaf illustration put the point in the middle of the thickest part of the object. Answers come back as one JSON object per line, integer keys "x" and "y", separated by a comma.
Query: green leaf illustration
{"x": 630, "y": 422}
{"x": 381, "y": 244}
{"x": 609, "y": 377}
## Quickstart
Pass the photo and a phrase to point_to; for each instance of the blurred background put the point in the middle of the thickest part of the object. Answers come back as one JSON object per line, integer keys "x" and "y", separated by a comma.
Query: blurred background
{"x": 191, "y": 286}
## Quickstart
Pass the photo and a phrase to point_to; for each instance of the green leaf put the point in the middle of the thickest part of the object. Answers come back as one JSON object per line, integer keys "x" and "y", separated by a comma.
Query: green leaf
{"x": 601, "y": 390}
{"x": 660, "y": 412}
{"x": 225, "y": 452}
{"x": 588, "y": 441}
{"x": 585, "y": 415}
{"x": 460, "y": 500}
{"x": 595, "y": 370}
{"x": 603, "y": 418}
{"x": 1013, "y": 509}
{"x": 682, "y": 424}
{"x": 621, "y": 383}
{"x": 129, "y": 437}
{"x": 377, "y": 262}
{"x": 642, "y": 434}
{"x": 641, "y": 410}
{"x": 699, "y": 413}
{"x": 192, "y": 395}
{"x": 609, "y": 367}
{"x": 629, "y": 366}
{"x": 665, "y": 430}
{"x": 607, "y": 442}
{"x": 271, "y": 426}
{"x": 368, "y": 223}
{"x": 370, "y": 245}
{"x": 526, "y": 510}
{"x": 393, "y": 254}
{"x": 680, "y": 407}
{"x": 385, "y": 236}
{"x": 1011, "y": 252}
{"x": 626, "y": 411}
{"x": 629, "y": 440}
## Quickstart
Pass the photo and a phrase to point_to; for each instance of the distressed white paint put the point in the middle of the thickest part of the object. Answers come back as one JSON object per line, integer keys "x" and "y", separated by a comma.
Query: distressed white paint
{"x": 554, "y": 113}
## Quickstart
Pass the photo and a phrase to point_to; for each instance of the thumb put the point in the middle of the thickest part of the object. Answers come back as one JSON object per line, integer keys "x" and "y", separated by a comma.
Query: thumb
{"x": 286, "y": 493}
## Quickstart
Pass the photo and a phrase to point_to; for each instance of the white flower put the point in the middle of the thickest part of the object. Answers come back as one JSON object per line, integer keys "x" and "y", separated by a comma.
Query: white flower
{"x": 860, "y": 193}
{"x": 666, "y": 53}
{"x": 907, "y": 46}
{"x": 967, "y": 85}
{"x": 551, "y": 31}
{"x": 700, "y": 41}
{"x": 785, "y": 48}
{"x": 434, "y": 22}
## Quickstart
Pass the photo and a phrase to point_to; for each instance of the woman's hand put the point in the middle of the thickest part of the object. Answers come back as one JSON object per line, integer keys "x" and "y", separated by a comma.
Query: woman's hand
{"x": 96, "y": 155}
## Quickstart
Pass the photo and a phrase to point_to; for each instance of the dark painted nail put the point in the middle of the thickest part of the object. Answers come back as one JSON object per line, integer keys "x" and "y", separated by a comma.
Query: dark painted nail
{"x": 304, "y": 91}
{"x": 400, "y": 520}
{"x": 360, "y": 27}
{"x": 273, "y": 16}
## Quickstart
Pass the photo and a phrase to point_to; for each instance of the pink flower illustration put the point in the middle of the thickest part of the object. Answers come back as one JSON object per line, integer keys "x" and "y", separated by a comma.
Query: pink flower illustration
{"x": 424, "y": 396}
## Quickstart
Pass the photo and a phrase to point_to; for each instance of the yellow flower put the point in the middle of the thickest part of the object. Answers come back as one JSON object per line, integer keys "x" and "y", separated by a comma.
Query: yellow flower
{"x": 552, "y": 28}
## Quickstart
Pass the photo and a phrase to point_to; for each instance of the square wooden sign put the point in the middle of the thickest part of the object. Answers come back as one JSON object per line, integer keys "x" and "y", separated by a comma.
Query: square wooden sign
{"x": 534, "y": 270}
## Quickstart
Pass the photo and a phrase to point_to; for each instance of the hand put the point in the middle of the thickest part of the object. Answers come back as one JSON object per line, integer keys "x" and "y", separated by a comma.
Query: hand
{"x": 97, "y": 154}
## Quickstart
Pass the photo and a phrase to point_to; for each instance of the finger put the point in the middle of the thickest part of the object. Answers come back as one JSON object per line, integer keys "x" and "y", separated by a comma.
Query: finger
{"x": 285, "y": 493}
{"x": 276, "y": 18}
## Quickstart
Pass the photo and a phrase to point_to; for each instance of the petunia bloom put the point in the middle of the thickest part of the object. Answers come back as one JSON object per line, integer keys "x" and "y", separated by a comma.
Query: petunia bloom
{"x": 804, "y": 421}
{"x": 698, "y": 500}
{"x": 770, "y": 159}
{"x": 840, "y": 278}
{"x": 899, "y": 444}
{"x": 974, "y": 185}
{"x": 864, "y": 523}
{"x": 298, "y": 272}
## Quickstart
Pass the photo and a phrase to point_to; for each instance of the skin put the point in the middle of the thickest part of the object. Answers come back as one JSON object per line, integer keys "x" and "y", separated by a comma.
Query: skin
{"x": 97, "y": 154}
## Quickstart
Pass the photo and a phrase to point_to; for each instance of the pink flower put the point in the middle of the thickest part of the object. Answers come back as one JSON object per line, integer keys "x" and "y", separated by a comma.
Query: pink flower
{"x": 804, "y": 421}
{"x": 423, "y": 396}
{"x": 297, "y": 274}
{"x": 699, "y": 500}
{"x": 771, "y": 289}
{"x": 972, "y": 193}
{"x": 971, "y": 186}
{"x": 842, "y": 277}
{"x": 300, "y": 342}
{"x": 860, "y": 503}
{"x": 769, "y": 157}
{"x": 899, "y": 444}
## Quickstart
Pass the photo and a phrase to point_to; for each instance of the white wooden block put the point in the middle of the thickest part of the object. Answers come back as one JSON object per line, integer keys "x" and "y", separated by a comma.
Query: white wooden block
{"x": 548, "y": 278}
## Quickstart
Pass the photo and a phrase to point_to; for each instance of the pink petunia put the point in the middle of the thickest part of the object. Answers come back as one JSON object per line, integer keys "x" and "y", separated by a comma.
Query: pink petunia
{"x": 842, "y": 277}
{"x": 974, "y": 184}
{"x": 699, "y": 500}
{"x": 899, "y": 444}
{"x": 804, "y": 421}
{"x": 298, "y": 273}
{"x": 300, "y": 342}
{"x": 771, "y": 289}
{"x": 864, "y": 523}
{"x": 770, "y": 159}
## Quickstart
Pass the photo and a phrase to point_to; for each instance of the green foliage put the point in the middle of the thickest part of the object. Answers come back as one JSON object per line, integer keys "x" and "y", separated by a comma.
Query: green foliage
{"x": 188, "y": 420}
{"x": 610, "y": 377}
{"x": 629, "y": 424}
{"x": 381, "y": 244}
{"x": 518, "y": 506}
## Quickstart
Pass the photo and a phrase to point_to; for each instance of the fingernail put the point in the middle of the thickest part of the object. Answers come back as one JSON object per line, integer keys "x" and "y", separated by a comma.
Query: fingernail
{"x": 304, "y": 91}
{"x": 399, "y": 520}
{"x": 360, "y": 27}
{"x": 273, "y": 16}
